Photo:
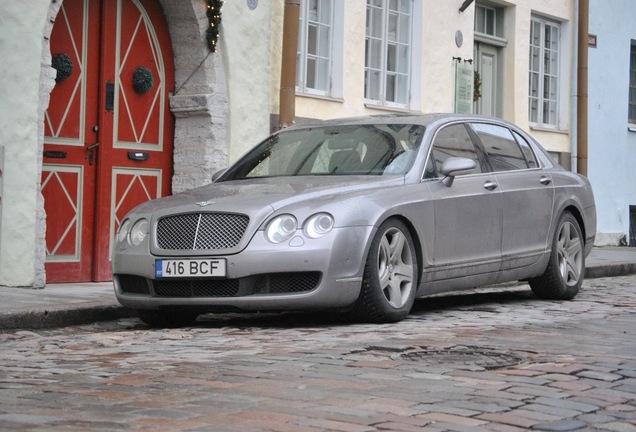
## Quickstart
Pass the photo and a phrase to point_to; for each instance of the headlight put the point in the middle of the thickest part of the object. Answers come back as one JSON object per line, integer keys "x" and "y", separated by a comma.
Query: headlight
{"x": 281, "y": 228}
{"x": 138, "y": 232}
{"x": 319, "y": 225}
{"x": 124, "y": 228}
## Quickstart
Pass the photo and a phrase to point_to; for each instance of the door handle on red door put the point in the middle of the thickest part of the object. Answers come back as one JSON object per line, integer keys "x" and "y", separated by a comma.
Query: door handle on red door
{"x": 545, "y": 180}
{"x": 91, "y": 153}
{"x": 490, "y": 185}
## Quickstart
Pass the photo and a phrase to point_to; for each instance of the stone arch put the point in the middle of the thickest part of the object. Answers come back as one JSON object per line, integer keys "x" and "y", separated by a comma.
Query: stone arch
{"x": 199, "y": 104}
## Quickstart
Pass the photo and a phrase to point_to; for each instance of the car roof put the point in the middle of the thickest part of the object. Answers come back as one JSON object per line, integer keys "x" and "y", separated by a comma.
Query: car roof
{"x": 414, "y": 118}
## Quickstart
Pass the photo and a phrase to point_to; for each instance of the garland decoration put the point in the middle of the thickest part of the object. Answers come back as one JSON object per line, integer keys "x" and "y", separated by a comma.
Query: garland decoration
{"x": 476, "y": 86}
{"x": 63, "y": 65}
{"x": 214, "y": 17}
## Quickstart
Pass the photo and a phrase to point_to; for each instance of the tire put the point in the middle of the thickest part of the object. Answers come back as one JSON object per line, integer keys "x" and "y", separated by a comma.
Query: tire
{"x": 390, "y": 276}
{"x": 564, "y": 275}
{"x": 167, "y": 319}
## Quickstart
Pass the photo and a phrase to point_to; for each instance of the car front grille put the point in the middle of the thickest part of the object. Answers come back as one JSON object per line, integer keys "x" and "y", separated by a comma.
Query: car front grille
{"x": 275, "y": 283}
{"x": 201, "y": 231}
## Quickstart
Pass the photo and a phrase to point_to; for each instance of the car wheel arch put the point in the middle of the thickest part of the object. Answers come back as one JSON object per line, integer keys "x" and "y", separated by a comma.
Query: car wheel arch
{"x": 417, "y": 241}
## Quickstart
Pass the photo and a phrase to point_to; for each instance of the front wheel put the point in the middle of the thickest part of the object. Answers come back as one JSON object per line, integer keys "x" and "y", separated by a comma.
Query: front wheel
{"x": 390, "y": 276}
{"x": 566, "y": 269}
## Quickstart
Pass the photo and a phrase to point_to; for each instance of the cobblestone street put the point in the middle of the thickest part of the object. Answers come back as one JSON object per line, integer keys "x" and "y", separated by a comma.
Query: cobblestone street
{"x": 490, "y": 360}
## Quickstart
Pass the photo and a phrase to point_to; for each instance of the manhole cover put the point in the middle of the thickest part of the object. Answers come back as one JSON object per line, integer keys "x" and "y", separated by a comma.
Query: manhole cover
{"x": 467, "y": 356}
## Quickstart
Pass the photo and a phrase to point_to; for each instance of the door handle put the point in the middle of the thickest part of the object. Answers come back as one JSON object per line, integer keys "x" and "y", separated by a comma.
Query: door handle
{"x": 138, "y": 156}
{"x": 545, "y": 180}
{"x": 490, "y": 185}
{"x": 91, "y": 153}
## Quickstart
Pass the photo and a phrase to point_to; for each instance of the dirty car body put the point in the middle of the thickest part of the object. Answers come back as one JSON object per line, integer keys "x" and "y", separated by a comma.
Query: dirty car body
{"x": 360, "y": 215}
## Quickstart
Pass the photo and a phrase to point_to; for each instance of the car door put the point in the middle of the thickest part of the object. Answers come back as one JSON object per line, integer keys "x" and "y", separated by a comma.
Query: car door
{"x": 526, "y": 190}
{"x": 468, "y": 214}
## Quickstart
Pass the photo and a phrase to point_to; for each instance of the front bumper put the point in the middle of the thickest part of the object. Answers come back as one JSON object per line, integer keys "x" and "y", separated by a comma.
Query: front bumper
{"x": 302, "y": 273}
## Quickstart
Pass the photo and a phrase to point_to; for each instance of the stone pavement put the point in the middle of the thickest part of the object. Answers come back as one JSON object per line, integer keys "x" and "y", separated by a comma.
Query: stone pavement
{"x": 83, "y": 303}
{"x": 484, "y": 361}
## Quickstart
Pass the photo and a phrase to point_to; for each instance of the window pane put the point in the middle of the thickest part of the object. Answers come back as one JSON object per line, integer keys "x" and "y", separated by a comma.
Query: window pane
{"x": 480, "y": 19}
{"x": 490, "y": 22}
{"x": 503, "y": 151}
{"x": 453, "y": 141}
{"x": 527, "y": 150}
{"x": 312, "y": 39}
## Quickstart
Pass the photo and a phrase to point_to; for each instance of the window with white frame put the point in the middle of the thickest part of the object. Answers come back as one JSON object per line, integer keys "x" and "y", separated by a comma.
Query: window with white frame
{"x": 543, "y": 106}
{"x": 486, "y": 20}
{"x": 314, "y": 57}
{"x": 632, "y": 84}
{"x": 387, "y": 71}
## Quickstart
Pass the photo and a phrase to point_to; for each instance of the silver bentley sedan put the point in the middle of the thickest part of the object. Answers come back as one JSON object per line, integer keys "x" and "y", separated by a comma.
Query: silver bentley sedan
{"x": 361, "y": 216}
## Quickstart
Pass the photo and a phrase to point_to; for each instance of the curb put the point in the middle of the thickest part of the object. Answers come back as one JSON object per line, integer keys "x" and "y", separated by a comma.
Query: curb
{"x": 86, "y": 313}
{"x": 610, "y": 270}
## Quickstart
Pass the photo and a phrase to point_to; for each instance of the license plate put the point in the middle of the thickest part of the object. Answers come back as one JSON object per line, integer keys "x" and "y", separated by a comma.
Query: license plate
{"x": 174, "y": 268}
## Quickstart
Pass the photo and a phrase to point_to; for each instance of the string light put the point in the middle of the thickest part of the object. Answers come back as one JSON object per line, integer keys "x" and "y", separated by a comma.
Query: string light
{"x": 214, "y": 17}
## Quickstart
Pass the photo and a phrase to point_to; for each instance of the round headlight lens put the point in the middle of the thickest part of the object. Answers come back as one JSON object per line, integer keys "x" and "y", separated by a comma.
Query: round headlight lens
{"x": 319, "y": 225}
{"x": 138, "y": 232}
{"x": 281, "y": 228}
{"x": 124, "y": 228}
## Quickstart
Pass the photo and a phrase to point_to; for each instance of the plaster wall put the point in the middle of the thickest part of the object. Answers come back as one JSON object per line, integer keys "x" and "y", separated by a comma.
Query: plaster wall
{"x": 435, "y": 75}
{"x": 246, "y": 46}
{"x": 611, "y": 146}
{"x": 21, "y": 46}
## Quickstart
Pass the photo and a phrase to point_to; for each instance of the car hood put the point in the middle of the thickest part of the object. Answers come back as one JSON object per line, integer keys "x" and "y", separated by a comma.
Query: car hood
{"x": 254, "y": 196}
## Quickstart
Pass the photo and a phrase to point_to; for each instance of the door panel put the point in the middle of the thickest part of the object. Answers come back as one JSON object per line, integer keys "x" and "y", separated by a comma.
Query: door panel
{"x": 89, "y": 180}
{"x": 468, "y": 214}
{"x": 68, "y": 179}
{"x": 468, "y": 227}
{"x": 527, "y": 207}
{"x": 488, "y": 63}
{"x": 136, "y": 49}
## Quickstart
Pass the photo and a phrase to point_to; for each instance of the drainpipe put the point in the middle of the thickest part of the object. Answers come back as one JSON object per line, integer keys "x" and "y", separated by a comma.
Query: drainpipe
{"x": 582, "y": 83}
{"x": 287, "y": 105}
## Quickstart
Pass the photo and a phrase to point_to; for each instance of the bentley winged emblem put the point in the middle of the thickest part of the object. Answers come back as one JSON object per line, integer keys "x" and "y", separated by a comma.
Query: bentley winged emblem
{"x": 205, "y": 203}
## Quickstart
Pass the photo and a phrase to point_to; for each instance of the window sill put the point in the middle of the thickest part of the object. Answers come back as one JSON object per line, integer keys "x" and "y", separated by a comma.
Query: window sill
{"x": 390, "y": 108}
{"x": 320, "y": 97}
{"x": 546, "y": 129}
{"x": 631, "y": 128}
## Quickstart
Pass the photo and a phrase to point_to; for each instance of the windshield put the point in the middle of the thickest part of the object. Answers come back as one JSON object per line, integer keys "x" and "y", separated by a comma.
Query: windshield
{"x": 335, "y": 150}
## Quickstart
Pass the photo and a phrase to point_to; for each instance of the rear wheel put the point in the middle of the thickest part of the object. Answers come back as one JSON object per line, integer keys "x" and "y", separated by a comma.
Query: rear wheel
{"x": 167, "y": 319}
{"x": 390, "y": 276}
{"x": 566, "y": 269}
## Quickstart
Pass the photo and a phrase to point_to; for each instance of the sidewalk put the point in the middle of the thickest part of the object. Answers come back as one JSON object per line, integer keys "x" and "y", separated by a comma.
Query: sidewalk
{"x": 82, "y": 303}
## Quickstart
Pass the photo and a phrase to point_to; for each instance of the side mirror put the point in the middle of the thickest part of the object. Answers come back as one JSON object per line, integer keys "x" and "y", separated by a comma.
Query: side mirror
{"x": 218, "y": 174}
{"x": 454, "y": 166}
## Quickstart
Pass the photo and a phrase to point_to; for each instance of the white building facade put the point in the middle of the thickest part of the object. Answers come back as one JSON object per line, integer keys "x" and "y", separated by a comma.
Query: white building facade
{"x": 355, "y": 57}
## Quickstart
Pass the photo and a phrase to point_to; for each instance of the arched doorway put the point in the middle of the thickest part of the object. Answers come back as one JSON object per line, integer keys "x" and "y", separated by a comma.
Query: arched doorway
{"x": 108, "y": 131}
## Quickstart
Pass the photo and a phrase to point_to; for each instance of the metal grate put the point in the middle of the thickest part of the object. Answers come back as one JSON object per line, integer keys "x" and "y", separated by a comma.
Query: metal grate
{"x": 279, "y": 283}
{"x": 133, "y": 284}
{"x": 197, "y": 231}
{"x": 197, "y": 288}
{"x": 632, "y": 226}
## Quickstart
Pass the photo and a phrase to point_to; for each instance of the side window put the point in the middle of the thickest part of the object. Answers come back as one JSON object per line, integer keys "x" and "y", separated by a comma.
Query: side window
{"x": 503, "y": 151}
{"x": 527, "y": 150}
{"x": 451, "y": 141}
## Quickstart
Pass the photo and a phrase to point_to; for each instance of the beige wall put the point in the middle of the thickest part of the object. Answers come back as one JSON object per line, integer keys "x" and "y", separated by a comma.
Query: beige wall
{"x": 437, "y": 68}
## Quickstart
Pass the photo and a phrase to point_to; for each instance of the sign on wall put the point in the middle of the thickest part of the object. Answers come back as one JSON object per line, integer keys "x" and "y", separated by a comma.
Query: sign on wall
{"x": 463, "y": 87}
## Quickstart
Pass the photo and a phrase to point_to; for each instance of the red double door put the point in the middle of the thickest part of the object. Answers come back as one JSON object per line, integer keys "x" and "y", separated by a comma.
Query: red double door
{"x": 108, "y": 130}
